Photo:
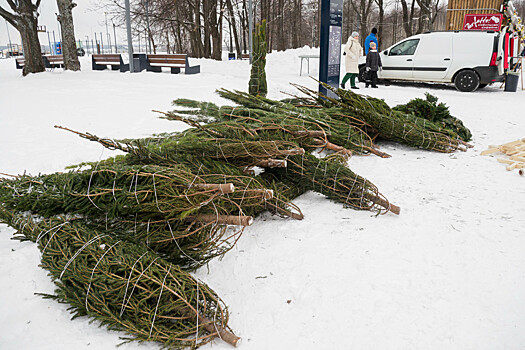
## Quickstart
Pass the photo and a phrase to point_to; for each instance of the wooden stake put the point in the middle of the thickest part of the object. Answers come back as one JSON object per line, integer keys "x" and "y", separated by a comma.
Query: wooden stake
{"x": 212, "y": 328}
{"x": 248, "y": 171}
{"x": 333, "y": 147}
{"x": 273, "y": 163}
{"x": 387, "y": 205}
{"x": 314, "y": 133}
{"x": 265, "y": 194}
{"x": 238, "y": 220}
{"x": 293, "y": 152}
{"x": 223, "y": 188}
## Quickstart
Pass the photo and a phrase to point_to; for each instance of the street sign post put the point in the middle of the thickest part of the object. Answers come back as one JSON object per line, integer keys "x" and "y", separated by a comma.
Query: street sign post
{"x": 330, "y": 45}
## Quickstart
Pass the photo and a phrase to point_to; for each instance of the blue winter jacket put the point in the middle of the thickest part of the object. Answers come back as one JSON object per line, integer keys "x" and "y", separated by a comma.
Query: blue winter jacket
{"x": 371, "y": 37}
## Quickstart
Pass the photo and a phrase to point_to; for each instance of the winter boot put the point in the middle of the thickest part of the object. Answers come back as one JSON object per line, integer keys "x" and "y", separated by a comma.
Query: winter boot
{"x": 342, "y": 86}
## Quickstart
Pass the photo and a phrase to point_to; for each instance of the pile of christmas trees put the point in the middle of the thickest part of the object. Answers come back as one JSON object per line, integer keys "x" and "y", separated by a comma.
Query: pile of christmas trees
{"x": 120, "y": 236}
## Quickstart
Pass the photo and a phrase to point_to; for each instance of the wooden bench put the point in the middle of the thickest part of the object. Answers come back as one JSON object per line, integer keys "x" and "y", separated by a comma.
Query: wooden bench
{"x": 20, "y": 62}
{"x": 54, "y": 61}
{"x": 102, "y": 61}
{"x": 154, "y": 63}
{"x": 245, "y": 56}
{"x": 49, "y": 61}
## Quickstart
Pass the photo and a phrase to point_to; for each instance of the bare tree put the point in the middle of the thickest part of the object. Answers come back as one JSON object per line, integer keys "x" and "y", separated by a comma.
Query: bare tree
{"x": 69, "y": 46}
{"x": 25, "y": 19}
{"x": 363, "y": 9}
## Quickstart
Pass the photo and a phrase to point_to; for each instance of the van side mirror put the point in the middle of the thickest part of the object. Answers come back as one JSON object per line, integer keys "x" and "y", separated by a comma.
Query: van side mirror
{"x": 385, "y": 52}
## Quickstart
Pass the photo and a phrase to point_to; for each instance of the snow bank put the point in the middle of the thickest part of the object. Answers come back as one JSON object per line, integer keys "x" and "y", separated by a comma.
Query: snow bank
{"x": 448, "y": 273}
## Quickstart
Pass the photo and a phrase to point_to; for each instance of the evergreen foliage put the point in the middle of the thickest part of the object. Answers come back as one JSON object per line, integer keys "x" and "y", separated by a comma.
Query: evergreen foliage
{"x": 124, "y": 286}
{"x": 257, "y": 84}
{"x": 118, "y": 236}
{"x": 438, "y": 113}
{"x": 388, "y": 123}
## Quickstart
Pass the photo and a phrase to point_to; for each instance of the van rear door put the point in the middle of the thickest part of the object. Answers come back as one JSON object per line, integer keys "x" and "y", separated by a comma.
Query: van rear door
{"x": 433, "y": 57}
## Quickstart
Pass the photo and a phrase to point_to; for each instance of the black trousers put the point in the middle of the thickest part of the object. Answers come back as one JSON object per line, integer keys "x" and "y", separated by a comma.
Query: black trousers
{"x": 371, "y": 78}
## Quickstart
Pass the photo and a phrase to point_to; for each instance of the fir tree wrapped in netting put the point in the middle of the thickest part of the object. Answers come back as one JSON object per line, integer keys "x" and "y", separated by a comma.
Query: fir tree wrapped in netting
{"x": 124, "y": 286}
{"x": 331, "y": 177}
{"x": 141, "y": 152}
{"x": 390, "y": 124}
{"x": 283, "y": 122}
{"x": 257, "y": 85}
{"x": 186, "y": 218}
{"x": 170, "y": 149}
{"x": 438, "y": 113}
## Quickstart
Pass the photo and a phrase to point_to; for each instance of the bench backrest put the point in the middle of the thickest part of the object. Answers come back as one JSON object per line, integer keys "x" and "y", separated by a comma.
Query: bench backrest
{"x": 21, "y": 61}
{"x": 107, "y": 58}
{"x": 55, "y": 58}
{"x": 171, "y": 59}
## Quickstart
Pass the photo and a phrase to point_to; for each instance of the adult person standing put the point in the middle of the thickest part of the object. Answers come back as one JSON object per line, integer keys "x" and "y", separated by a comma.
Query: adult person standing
{"x": 352, "y": 52}
{"x": 371, "y": 38}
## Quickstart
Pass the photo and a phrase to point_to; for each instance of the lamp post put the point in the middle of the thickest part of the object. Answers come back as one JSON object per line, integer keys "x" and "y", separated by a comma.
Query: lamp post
{"x": 130, "y": 42}
{"x": 54, "y": 43}
{"x": 250, "y": 28}
{"x": 49, "y": 41}
{"x": 147, "y": 25}
{"x": 9, "y": 37}
{"x": 108, "y": 38}
{"x": 115, "y": 37}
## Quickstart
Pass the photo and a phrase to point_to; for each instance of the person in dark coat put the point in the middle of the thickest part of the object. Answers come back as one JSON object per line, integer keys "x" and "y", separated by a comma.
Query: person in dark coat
{"x": 373, "y": 64}
{"x": 372, "y": 38}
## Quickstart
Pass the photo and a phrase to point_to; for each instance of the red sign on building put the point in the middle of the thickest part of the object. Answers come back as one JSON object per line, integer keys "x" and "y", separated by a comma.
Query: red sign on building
{"x": 483, "y": 22}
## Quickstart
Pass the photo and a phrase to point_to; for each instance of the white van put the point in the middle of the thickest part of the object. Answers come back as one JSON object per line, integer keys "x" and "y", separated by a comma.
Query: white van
{"x": 469, "y": 59}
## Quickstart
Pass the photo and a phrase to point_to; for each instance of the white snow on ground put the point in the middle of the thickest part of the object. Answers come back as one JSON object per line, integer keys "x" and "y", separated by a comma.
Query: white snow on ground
{"x": 448, "y": 273}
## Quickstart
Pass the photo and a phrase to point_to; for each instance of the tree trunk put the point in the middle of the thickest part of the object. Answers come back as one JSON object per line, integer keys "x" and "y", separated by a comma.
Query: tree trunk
{"x": 407, "y": 18}
{"x": 234, "y": 27}
{"x": 25, "y": 21}
{"x": 69, "y": 46}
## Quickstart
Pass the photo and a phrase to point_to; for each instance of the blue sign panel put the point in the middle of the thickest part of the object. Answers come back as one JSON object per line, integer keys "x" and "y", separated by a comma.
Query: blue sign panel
{"x": 330, "y": 45}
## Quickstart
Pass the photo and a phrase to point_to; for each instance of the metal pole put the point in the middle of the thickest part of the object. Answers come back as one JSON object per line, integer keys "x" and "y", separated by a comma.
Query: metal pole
{"x": 108, "y": 37}
{"x": 130, "y": 42}
{"x": 147, "y": 24}
{"x": 54, "y": 43}
{"x": 59, "y": 30}
{"x": 92, "y": 47}
{"x": 9, "y": 37}
{"x": 49, "y": 41}
{"x": 115, "y": 37}
{"x": 250, "y": 28}
{"x": 96, "y": 44}
{"x": 102, "y": 42}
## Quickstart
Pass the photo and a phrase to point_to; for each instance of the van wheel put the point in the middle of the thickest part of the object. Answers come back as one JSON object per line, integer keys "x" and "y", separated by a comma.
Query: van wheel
{"x": 361, "y": 76}
{"x": 466, "y": 81}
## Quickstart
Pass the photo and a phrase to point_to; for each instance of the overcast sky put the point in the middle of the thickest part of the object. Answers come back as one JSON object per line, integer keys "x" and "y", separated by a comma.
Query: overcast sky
{"x": 86, "y": 21}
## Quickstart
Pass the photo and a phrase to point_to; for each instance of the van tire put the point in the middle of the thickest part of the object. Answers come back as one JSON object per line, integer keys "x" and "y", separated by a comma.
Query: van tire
{"x": 467, "y": 80}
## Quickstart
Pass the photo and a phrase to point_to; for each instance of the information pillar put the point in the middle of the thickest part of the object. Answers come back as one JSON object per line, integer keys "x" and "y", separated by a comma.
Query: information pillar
{"x": 330, "y": 45}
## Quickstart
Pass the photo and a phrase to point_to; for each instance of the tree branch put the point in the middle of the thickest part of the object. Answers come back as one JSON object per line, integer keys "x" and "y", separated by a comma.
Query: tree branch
{"x": 12, "y": 5}
{"x": 8, "y": 16}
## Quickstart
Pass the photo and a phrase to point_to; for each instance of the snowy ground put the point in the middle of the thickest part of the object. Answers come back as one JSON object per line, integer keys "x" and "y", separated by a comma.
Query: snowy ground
{"x": 448, "y": 273}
